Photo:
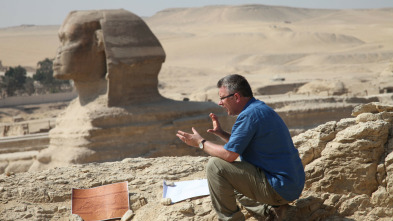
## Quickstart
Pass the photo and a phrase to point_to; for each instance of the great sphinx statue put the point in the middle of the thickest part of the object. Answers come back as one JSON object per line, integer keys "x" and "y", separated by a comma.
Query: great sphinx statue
{"x": 114, "y": 60}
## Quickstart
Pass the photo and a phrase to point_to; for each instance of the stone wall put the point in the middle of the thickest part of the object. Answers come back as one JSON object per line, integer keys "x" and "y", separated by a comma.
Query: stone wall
{"x": 37, "y": 99}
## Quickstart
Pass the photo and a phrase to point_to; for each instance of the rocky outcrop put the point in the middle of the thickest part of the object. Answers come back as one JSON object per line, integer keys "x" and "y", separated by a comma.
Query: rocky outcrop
{"x": 348, "y": 164}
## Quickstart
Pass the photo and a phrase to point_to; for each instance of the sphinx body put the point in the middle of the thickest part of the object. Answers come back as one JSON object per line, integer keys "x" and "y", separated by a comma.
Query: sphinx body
{"x": 114, "y": 60}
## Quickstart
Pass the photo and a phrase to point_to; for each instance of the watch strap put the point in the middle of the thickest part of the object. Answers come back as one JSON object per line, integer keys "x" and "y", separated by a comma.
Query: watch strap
{"x": 202, "y": 144}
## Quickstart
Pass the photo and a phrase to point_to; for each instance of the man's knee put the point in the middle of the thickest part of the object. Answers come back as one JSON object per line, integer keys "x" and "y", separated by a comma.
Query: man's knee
{"x": 214, "y": 166}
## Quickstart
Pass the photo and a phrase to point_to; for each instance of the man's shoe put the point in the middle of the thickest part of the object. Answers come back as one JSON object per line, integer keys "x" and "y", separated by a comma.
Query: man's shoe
{"x": 269, "y": 213}
{"x": 283, "y": 213}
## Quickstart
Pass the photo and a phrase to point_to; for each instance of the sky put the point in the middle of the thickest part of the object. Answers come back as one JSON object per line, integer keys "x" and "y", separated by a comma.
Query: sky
{"x": 53, "y": 12}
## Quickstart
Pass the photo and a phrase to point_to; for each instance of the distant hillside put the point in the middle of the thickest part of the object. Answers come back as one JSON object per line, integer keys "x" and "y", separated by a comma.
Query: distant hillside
{"x": 265, "y": 13}
{"x": 363, "y": 16}
{"x": 236, "y": 13}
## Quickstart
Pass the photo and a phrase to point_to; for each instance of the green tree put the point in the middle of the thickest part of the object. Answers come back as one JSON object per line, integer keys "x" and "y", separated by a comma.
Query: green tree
{"x": 13, "y": 80}
{"x": 44, "y": 75}
{"x": 29, "y": 86}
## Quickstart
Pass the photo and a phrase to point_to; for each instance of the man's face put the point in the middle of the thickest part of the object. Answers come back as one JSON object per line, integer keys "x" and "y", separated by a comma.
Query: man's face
{"x": 228, "y": 101}
{"x": 78, "y": 57}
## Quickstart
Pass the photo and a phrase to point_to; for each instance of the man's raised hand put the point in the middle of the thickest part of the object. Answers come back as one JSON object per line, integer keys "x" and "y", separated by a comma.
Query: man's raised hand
{"x": 217, "y": 130}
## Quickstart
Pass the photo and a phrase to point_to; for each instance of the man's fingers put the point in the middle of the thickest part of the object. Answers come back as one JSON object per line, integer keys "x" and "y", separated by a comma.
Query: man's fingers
{"x": 182, "y": 133}
{"x": 182, "y": 138}
{"x": 193, "y": 130}
{"x": 212, "y": 131}
{"x": 214, "y": 118}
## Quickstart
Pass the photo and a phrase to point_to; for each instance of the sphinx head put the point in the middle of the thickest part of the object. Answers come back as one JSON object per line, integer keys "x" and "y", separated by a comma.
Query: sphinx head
{"x": 115, "y": 45}
{"x": 81, "y": 54}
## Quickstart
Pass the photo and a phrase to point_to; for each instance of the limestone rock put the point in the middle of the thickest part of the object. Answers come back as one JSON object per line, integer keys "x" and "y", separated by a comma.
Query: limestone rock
{"x": 352, "y": 164}
{"x": 127, "y": 216}
{"x": 366, "y": 108}
{"x": 18, "y": 166}
{"x": 374, "y": 107}
{"x": 166, "y": 201}
{"x": 323, "y": 87}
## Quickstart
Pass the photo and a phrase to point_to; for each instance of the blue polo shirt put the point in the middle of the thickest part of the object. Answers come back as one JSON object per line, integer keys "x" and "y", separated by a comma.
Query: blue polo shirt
{"x": 261, "y": 138}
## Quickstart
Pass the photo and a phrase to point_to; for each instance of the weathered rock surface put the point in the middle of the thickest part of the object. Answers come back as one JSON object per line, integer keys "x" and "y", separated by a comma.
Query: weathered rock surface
{"x": 348, "y": 164}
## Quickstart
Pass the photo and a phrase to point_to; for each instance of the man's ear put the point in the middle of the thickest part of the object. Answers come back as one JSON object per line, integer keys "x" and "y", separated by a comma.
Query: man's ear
{"x": 237, "y": 96}
{"x": 99, "y": 40}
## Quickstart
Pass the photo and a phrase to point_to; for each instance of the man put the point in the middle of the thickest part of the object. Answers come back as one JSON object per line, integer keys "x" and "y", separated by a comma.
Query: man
{"x": 270, "y": 171}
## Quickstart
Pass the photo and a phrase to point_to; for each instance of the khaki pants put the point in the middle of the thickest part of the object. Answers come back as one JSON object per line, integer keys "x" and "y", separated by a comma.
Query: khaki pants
{"x": 241, "y": 180}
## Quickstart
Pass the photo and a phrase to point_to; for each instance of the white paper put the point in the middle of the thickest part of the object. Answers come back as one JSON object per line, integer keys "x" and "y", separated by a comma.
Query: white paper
{"x": 185, "y": 190}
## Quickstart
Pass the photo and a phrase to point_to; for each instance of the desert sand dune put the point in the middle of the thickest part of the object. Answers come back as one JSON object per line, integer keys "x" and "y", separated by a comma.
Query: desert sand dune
{"x": 296, "y": 44}
{"x": 261, "y": 42}
{"x": 27, "y": 45}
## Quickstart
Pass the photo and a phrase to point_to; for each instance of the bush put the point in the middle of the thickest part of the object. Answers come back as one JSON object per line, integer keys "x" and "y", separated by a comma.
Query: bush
{"x": 13, "y": 80}
{"x": 44, "y": 75}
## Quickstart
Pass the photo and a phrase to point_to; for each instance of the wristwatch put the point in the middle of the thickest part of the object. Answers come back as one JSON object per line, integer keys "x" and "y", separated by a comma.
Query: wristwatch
{"x": 201, "y": 144}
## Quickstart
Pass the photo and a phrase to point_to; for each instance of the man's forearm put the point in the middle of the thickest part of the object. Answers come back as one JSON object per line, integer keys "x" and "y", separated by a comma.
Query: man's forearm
{"x": 219, "y": 151}
{"x": 224, "y": 136}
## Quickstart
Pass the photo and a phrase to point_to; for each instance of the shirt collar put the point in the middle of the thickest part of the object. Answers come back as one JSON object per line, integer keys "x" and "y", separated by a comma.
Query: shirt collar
{"x": 252, "y": 100}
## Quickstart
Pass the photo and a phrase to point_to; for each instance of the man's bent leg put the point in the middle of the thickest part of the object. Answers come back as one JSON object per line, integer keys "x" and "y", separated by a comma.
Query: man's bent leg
{"x": 251, "y": 204}
{"x": 225, "y": 177}
{"x": 221, "y": 191}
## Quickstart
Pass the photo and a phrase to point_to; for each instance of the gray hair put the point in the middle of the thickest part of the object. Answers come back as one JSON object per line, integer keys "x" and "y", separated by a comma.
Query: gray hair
{"x": 236, "y": 84}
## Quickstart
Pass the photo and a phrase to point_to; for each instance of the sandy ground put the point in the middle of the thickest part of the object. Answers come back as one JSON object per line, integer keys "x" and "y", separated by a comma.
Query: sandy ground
{"x": 351, "y": 48}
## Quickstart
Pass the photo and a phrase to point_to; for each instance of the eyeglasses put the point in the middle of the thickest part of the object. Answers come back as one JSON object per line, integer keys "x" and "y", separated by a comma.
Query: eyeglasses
{"x": 223, "y": 98}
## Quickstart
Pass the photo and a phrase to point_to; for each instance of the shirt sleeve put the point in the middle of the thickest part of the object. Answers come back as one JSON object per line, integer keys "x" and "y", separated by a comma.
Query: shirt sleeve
{"x": 242, "y": 134}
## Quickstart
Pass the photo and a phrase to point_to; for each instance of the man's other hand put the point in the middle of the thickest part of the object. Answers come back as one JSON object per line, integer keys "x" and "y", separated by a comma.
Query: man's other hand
{"x": 190, "y": 139}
